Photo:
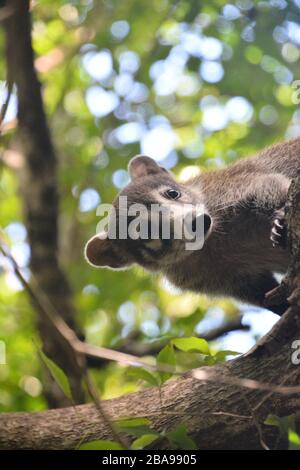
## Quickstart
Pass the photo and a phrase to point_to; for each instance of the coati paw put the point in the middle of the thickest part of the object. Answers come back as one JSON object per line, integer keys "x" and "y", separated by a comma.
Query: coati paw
{"x": 279, "y": 230}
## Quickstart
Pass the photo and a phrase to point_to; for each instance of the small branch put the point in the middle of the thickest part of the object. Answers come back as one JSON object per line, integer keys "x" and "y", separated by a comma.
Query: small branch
{"x": 102, "y": 412}
{"x": 138, "y": 348}
{"x": 210, "y": 376}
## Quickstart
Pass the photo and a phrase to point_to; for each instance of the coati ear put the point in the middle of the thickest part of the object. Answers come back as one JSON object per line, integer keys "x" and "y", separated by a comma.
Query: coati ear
{"x": 100, "y": 252}
{"x": 141, "y": 166}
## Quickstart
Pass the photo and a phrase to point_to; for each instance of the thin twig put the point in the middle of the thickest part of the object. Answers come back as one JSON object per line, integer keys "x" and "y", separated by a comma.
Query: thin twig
{"x": 94, "y": 394}
{"x": 266, "y": 397}
{"x": 256, "y": 423}
{"x": 206, "y": 376}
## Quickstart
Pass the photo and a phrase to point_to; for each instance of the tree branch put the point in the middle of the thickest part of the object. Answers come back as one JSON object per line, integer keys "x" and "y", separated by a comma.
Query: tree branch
{"x": 218, "y": 415}
{"x": 138, "y": 348}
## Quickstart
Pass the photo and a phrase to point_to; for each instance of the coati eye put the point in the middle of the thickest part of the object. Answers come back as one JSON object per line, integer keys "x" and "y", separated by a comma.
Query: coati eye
{"x": 172, "y": 194}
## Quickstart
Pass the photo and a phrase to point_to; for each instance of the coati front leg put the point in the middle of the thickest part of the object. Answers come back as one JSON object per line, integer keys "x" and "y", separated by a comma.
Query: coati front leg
{"x": 267, "y": 195}
{"x": 267, "y": 198}
{"x": 253, "y": 289}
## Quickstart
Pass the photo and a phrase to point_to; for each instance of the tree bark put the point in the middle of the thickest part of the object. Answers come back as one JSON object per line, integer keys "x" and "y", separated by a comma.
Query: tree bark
{"x": 39, "y": 193}
{"x": 217, "y": 415}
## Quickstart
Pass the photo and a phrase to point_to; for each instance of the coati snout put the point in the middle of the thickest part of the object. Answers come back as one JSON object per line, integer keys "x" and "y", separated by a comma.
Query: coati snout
{"x": 239, "y": 206}
{"x": 205, "y": 219}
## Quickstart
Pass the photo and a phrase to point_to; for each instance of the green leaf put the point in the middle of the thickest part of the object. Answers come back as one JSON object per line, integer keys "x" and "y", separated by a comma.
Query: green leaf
{"x": 180, "y": 439}
{"x": 144, "y": 441}
{"x": 133, "y": 422}
{"x": 58, "y": 374}
{"x": 135, "y": 426}
{"x": 272, "y": 420}
{"x": 284, "y": 423}
{"x": 228, "y": 352}
{"x": 209, "y": 361}
{"x": 221, "y": 356}
{"x": 192, "y": 344}
{"x": 143, "y": 374}
{"x": 166, "y": 357}
{"x": 294, "y": 440}
{"x": 101, "y": 445}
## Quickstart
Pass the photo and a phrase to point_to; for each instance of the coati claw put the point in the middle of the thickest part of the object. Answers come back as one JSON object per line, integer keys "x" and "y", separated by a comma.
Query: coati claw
{"x": 279, "y": 230}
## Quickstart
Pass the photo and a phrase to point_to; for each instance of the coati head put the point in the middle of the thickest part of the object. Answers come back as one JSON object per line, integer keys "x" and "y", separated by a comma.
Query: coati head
{"x": 153, "y": 190}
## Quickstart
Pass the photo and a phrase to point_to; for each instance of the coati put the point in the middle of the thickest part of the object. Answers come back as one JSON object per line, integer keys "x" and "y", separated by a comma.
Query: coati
{"x": 243, "y": 208}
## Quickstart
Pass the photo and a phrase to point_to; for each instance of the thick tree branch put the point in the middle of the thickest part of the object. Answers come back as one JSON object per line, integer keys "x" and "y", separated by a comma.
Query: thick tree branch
{"x": 39, "y": 190}
{"x": 218, "y": 416}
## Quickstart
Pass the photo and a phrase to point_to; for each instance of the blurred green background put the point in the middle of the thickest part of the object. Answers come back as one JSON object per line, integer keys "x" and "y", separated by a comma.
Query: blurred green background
{"x": 193, "y": 84}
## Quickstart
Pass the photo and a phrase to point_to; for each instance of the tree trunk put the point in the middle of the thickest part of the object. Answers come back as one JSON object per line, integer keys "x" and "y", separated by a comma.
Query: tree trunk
{"x": 39, "y": 193}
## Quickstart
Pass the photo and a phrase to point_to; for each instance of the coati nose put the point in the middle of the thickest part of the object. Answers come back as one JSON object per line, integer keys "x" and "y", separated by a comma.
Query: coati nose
{"x": 201, "y": 220}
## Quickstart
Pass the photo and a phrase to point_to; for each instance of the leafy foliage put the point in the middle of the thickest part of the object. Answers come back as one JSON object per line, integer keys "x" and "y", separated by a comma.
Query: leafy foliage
{"x": 139, "y": 428}
{"x": 179, "y": 438}
{"x": 287, "y": 429}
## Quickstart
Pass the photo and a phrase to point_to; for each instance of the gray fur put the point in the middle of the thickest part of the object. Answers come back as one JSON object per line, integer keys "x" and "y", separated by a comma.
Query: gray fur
{"x": 237, "y": 259}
